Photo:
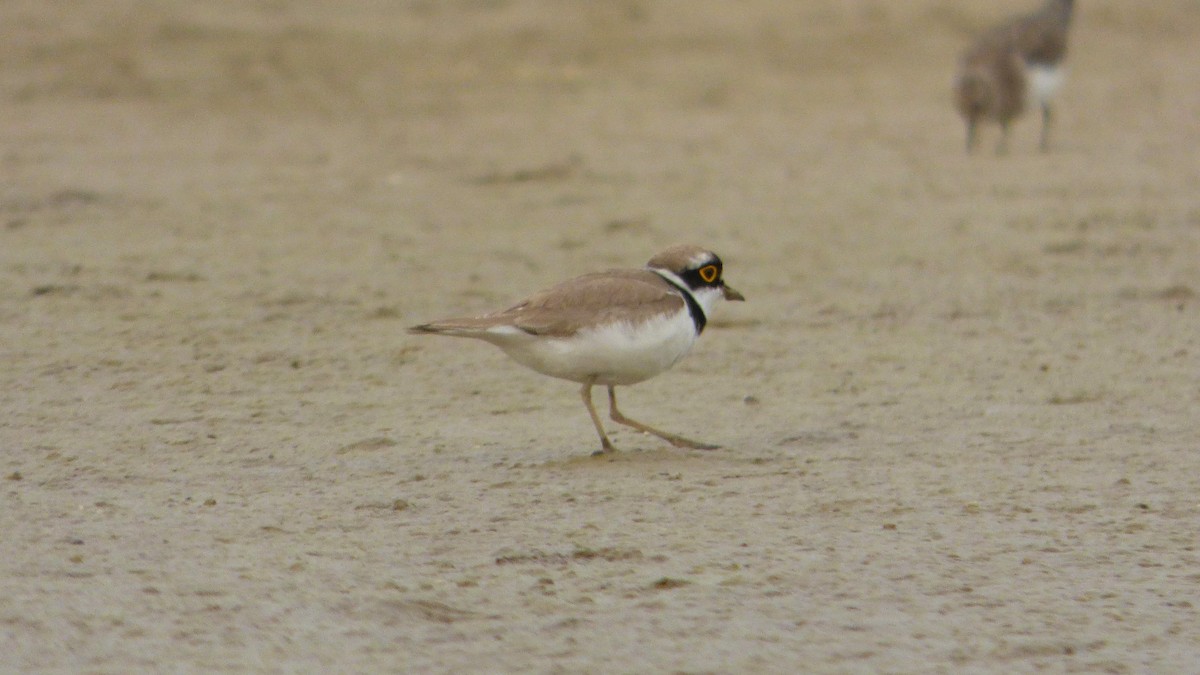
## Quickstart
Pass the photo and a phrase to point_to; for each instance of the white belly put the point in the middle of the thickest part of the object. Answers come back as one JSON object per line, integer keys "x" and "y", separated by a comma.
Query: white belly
{"x": 616, "y": 354}
{"x": 1044, "y": 82}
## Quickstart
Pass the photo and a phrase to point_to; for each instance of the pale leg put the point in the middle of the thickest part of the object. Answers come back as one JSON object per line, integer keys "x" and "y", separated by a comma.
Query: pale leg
{"x": 677, "y": 441}
{"x": 1046, "y": 117}
{"x": 605, "y": 444}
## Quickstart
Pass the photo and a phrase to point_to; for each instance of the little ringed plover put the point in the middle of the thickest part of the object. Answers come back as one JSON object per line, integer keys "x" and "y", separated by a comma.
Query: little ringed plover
{"x": 618, "y": 327}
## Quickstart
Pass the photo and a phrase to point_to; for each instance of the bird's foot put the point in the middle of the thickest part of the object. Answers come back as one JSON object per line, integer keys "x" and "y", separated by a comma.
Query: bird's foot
{"x": 681, "y": 442}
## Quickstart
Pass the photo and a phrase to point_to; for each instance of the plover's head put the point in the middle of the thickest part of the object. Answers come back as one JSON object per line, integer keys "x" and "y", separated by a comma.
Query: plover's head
{"x": 699, "y": 270}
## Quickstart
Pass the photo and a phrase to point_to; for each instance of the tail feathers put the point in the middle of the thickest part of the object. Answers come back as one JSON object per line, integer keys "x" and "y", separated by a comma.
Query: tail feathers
{"x": 466, "y": 327}
{"x": 975, "y": 93}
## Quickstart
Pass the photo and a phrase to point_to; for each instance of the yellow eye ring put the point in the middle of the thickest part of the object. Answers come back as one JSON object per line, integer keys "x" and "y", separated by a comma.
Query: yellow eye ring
{"x": 709, "y": 273}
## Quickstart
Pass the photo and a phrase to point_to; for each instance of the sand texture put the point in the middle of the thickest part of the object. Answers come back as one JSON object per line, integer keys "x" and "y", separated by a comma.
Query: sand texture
{"x": 958, "y": 411}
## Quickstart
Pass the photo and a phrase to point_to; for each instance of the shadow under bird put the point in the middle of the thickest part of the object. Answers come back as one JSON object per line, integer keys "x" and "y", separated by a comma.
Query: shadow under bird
{"x": 618, "y": 327}
{"x": 1012, "y": 65}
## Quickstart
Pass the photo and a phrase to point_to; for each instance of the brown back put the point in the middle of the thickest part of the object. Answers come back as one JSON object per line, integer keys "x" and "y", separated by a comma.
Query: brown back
{"x": 563, "y": 310}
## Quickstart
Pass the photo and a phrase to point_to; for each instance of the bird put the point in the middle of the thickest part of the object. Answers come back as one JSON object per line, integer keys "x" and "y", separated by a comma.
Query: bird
{"x": 1010, "y": 64}
{"x": 613, "y": 328}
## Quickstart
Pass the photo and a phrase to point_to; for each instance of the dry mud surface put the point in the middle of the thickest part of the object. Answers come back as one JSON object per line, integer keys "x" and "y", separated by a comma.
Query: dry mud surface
{"x": 958, "y": 411}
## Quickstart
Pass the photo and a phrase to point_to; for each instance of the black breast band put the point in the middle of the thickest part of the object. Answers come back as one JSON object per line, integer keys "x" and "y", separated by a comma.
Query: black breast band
{"x": 694, "y": 308}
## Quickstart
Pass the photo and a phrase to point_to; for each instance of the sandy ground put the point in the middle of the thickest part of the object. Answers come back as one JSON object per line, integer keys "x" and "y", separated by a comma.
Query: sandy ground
{"x": 958, "y": 411}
